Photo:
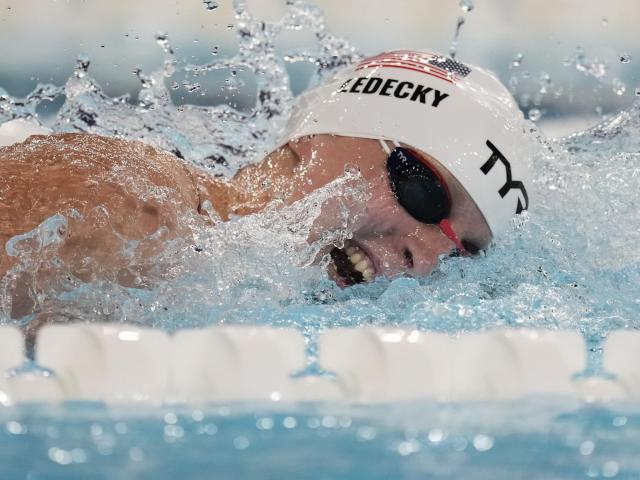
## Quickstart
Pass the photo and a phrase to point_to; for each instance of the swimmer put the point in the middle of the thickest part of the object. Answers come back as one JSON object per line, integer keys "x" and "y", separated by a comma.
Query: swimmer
{"x": 436, "y": 140}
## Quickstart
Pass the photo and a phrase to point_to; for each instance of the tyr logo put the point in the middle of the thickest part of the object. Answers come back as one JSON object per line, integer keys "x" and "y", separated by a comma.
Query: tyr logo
{"x": 510, "y": 183}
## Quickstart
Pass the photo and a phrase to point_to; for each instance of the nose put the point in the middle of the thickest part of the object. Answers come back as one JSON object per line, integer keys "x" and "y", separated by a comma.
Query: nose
{"x": 415, "y": 252}
{"x": 423, "y": 247}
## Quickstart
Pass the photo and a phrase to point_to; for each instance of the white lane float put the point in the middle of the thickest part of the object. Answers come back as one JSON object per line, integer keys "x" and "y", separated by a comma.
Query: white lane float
{"x": 11, "y": 347}
{"x": 116, "y": 363}
{"x": 16, "y": 383}
{"x": 231, "y": 363}
{"x": 622, "y": 358}
{"x": 394, "y": 364}
{"x": 107, "y": 362}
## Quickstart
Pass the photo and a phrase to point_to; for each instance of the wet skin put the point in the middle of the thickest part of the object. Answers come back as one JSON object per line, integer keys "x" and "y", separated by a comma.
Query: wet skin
{"x": 395, "y": 241}
{"x": 146, "y": 191}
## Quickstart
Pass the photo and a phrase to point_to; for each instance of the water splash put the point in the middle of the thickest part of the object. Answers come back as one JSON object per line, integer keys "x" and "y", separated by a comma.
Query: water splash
{"x": 220, "y": 138}
{"x": 466, "y": 6}
{"x": 625, "y": 58}
{"x": 453, "y": 47}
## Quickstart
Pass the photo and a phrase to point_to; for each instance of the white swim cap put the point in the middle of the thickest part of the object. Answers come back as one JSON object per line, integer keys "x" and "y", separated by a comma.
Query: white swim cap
{"x": 459, "y": 114}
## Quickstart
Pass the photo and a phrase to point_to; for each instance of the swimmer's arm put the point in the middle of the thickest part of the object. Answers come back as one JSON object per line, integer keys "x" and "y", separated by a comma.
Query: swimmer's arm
{"x": 110, "y": 190}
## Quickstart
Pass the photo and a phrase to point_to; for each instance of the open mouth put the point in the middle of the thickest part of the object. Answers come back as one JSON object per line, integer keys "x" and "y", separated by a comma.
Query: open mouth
{"x": 352, "y": 264}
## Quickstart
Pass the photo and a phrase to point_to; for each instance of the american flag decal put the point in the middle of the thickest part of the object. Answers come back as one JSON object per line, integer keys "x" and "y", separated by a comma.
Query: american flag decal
{"x": 432, "y": 64}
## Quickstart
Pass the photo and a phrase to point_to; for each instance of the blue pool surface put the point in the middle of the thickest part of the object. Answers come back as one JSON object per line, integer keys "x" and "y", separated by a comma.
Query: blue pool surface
{"x": 528, "y": 440}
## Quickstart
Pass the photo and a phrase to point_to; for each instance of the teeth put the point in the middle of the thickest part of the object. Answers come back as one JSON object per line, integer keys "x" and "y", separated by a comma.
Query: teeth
{"x": 361, "y": 262}
{"x": 362, "y": 265}
{"x": 356, "y": 258}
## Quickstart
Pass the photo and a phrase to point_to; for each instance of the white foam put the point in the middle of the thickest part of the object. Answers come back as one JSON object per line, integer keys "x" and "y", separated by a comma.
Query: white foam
{"x": 113, "y": 363}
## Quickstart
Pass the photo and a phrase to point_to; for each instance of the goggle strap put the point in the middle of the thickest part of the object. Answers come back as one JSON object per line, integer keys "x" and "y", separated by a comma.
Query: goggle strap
{"x": 386, "y": 148}
{"x": 446, "y": 228}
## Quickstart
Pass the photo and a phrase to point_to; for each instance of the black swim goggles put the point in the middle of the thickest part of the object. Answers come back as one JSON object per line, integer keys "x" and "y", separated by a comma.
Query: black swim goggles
{"x": 420, "y": 189}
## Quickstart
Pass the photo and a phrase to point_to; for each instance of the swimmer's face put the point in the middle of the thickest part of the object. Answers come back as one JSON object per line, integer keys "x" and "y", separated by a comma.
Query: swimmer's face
{"x": 386, "y": 239}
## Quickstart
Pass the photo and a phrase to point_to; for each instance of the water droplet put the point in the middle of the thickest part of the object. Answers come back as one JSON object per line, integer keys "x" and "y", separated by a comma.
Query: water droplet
{"x": 265, "y": 423}
{"x": 120, "y": 428}
{"x": 625, "y": 58}
{"x": 605, "y": 22}
{"x": 210, "y": 4}
{"x": 610, "y": 469}
{"x": 82, "y": 65}
{"x": 329, "y": 421}
{"x": 15, "y": 428}
{"x": 620, "y": 421}
{"x": 459, "y": 444}
{"x": 517, "y": 60}
{"x": 408, "y": 447}
{"x": 435, "y": 435}
{"x": 162, "y": 39}
{"x": 78, "y": 455}
{"x": 466, "y": 5}
{"x": 619, "y": 87}
{"x": 586, "y": 448}
{"x": 191, "y": 87}
{"x": 136, "y": 454}
{"x": 59, "y": 456}
{"x": 345, "y": 422}
{"x": 637, "y": 91}
{"x": 482, "y": 443}
{"x": 453, "y": 48}
{"x": 170, "y": 418}
{"x": 534, "y": 114}
{"x": 210, "y": 429}
{"x": 289, "y": 422}
{"x": 241, "y": 442}
{"x": 366, "y": 434}
{"x": 173, "y": 432}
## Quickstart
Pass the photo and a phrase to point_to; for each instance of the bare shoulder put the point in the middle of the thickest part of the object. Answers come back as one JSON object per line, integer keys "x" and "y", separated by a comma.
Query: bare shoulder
{"x": 81, "y": 151}
{"x": 142, "y": 188}
{"x": 56, "y": 159}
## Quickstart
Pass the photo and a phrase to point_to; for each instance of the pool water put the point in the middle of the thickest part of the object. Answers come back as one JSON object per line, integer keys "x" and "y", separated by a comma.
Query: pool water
{"x": 566, "y": 265}
{"x": 529, "y": 439}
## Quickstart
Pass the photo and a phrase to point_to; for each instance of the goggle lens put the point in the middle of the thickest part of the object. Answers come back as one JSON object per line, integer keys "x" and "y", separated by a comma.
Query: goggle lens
{"x": 421, "y": 191}
{"x": 417, "y": 187}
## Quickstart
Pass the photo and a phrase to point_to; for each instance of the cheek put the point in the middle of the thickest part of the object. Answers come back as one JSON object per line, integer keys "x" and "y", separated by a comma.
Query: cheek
{"x": 384, "y": 214}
